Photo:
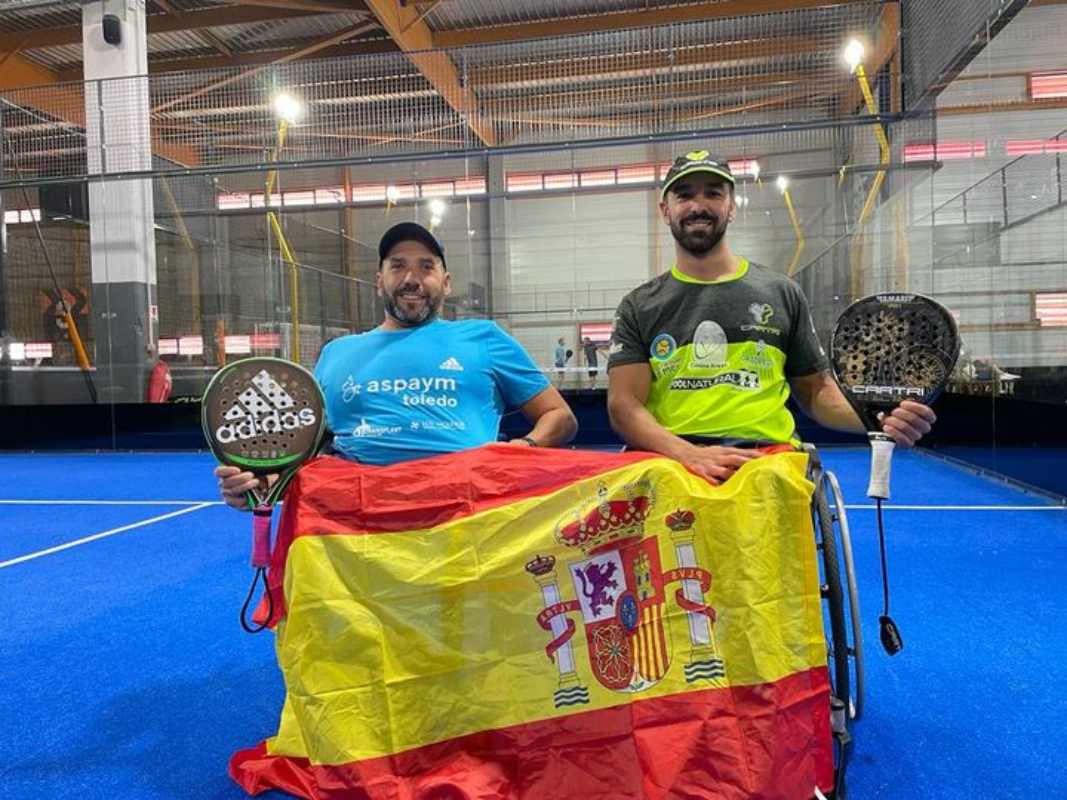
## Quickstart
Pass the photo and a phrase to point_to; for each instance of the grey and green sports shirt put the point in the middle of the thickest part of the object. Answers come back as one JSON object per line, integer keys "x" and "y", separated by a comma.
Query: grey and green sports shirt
{"x": 721, "y": 352}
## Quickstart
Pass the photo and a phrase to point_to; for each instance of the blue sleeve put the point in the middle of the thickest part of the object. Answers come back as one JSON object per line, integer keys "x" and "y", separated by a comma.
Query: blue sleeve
{"x": 517, "y": 377}
{"x": 320, "y": 368}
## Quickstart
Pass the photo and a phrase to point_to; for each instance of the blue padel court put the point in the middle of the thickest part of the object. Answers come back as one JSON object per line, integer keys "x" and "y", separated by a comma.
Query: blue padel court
{"x": 125, "y": 673}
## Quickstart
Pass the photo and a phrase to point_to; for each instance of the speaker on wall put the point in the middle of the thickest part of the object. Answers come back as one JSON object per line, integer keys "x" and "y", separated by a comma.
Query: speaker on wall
{"x": 64, "y": 201}
{"x": 112, "y": 29}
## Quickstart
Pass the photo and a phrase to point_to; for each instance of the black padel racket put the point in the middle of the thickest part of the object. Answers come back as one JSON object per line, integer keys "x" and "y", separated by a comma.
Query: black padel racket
{"x": 887, "y": 348}
{"x": 265, "y": 416}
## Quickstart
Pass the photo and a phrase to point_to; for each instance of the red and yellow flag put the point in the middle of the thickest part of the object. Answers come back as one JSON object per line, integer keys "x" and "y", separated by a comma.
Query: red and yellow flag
{"x": 515, "y": 623}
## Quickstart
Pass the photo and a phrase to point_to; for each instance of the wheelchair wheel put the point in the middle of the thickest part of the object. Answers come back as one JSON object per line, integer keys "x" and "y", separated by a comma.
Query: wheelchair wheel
{"x": 837, "y": 647}
{"x": 832, "y": 491}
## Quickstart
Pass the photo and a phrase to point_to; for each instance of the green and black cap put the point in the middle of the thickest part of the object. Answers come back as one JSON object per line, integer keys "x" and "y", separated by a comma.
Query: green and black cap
{"x": 697, "y": 161}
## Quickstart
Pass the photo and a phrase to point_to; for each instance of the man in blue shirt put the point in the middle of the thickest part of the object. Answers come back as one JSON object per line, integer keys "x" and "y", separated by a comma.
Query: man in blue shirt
{"x": 418, "y": 386}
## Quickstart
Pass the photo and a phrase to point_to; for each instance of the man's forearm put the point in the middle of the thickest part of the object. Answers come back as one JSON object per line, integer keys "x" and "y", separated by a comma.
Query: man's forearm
{"x": 831, "y": 410}
{"x": 636, "y": 425}
{"x": 555, "y": 427}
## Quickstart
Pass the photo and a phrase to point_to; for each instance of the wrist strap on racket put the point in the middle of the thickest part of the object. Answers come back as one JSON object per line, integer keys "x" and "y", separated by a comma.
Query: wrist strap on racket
{"x": 881, "y": 459}
{"x": 261, "y": 518}
{"x": 888, "y": 632}
{"x": 251, "y": 626}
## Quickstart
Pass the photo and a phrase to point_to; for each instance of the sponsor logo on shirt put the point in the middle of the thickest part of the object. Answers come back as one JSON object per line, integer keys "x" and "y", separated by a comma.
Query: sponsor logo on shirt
{"x": 663, "y": 347}
{"x": 742, "y": 379}
{"x": 349, "y": 389}
{"x": 759, "y": 359}
{"x": 451, "y": 363}
{"x": 365, "y": 430}
{"x": 709, "y": 346}
{"x": 761, "y": 313}
{"x": 439, "y": 425}
{"x": 414, "y": 391}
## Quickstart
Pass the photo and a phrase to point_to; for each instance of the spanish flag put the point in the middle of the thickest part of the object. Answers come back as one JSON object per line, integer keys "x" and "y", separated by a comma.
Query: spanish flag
{"x": 516, "y": 623}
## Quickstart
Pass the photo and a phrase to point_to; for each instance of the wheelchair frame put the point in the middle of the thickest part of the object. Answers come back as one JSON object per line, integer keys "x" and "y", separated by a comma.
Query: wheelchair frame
{"x": 841, "y": 610}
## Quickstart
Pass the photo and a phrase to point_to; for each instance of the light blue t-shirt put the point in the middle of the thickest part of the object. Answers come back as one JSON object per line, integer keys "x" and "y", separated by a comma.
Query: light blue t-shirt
{"x": 441, "y": 387}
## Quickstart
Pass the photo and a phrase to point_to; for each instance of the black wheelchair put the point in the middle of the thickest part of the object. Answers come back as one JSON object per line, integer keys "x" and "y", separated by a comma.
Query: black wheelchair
{"x": 841, "y": 611}
{"x": 841, "y": 606}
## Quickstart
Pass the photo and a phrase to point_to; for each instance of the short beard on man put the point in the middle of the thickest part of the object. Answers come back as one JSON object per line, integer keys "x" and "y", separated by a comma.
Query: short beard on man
{"x": 702, "y": 242}
{"x": 426, "y": 313}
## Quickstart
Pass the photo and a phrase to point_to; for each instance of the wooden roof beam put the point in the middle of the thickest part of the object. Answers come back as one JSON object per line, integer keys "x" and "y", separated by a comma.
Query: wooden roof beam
{"x": 212, "y": 38}
{"x": 618, "y": 65}
{"x": 66, "y": 103}
{"x": 414, "y": 37}
{"x": 155, "y": 23}
{"x": 356, "y": 47}
{"x": 321, "y": 44}
{"x": 621, "y": 20}
{"x": 316, "y": 6}
{"x": 571, "y": 99}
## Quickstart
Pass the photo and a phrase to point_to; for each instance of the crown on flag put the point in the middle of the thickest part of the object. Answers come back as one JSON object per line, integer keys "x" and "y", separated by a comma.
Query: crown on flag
{"x": 611, "y": 521}
{"x": 680, "y": 520}
{"x": 541, "y": 565}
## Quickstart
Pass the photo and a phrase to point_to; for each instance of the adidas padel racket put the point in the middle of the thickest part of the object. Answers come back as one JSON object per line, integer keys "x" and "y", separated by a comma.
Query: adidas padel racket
{"x": 887, "y": 348}
{"x": 265, "y": 416}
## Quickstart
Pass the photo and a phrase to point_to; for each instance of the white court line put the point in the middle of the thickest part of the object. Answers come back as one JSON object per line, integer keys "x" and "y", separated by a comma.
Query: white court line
{"x": 101, "y": 535}
{"x": 893, "y": 507}
{"x": 109, "y": 502}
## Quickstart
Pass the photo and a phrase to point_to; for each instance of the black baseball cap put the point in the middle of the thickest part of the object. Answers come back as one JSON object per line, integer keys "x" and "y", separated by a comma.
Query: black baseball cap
{"x": 409, "y": 232}
{"x": 697, "y": 161}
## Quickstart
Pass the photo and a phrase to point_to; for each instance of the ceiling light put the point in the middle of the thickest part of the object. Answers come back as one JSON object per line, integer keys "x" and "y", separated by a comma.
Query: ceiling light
{"x": 853, "y": 53}
{"x": 288, "y": 107}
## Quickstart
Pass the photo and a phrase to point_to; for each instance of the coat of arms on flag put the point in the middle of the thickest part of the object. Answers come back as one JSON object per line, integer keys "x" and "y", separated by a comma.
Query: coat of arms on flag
{"x": 620, "y": 592}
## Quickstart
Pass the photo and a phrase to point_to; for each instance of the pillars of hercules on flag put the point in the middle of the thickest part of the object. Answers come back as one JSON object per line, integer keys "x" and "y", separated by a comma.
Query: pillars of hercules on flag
{"x": 570, "y": 691}
{"x": 704, "y": 661}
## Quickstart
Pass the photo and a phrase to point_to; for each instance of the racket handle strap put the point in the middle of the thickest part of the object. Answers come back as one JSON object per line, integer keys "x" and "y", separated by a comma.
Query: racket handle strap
{"x": 261, "y": 515}
{"x": 881, "y": 457}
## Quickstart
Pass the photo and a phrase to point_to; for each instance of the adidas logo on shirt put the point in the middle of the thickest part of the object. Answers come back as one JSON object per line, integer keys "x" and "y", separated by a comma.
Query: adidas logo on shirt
{"x": 264, "y": 407}
{"x": 452, "y": 364}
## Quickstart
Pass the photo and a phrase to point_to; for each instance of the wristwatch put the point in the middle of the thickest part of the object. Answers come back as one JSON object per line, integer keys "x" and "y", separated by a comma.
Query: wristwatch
{"x": 530, "y": 441}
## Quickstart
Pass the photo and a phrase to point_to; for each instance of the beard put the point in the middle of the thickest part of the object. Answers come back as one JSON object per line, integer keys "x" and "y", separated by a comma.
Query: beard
{"x": 399, "y": 307}
{"x": 698, "y": 241}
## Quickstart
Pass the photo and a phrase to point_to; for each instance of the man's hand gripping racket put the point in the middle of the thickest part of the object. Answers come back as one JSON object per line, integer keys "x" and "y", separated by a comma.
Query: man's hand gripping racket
{"x": 888, "y": 348}
{"x": 265, "y": 416}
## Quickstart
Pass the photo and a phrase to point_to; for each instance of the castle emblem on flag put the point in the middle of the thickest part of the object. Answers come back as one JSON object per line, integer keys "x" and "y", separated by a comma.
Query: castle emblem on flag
{"x": 620, "y": 592}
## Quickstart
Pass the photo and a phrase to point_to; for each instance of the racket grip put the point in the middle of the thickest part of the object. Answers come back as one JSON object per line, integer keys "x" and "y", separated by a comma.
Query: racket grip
{"x": 881, "y": 457}
{"x": 261, "y": 515}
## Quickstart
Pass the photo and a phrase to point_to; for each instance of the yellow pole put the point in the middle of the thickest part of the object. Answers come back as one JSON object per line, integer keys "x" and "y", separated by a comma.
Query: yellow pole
{"x": 796, "y": 230}
{"x": 883, "y": 145}
{"x": 876, "y": 184}
{"x": 287, "y": 253}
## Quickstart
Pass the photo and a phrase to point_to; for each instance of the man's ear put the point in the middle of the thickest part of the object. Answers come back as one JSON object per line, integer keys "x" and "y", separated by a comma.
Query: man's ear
{"x": 663, "y": 210}
{"x": 448, "y": 284}
{"x": 378, "y": 281}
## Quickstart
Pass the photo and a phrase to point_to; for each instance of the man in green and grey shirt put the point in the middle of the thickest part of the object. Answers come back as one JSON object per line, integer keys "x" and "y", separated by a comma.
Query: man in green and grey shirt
{"x": 704, "y": 357}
